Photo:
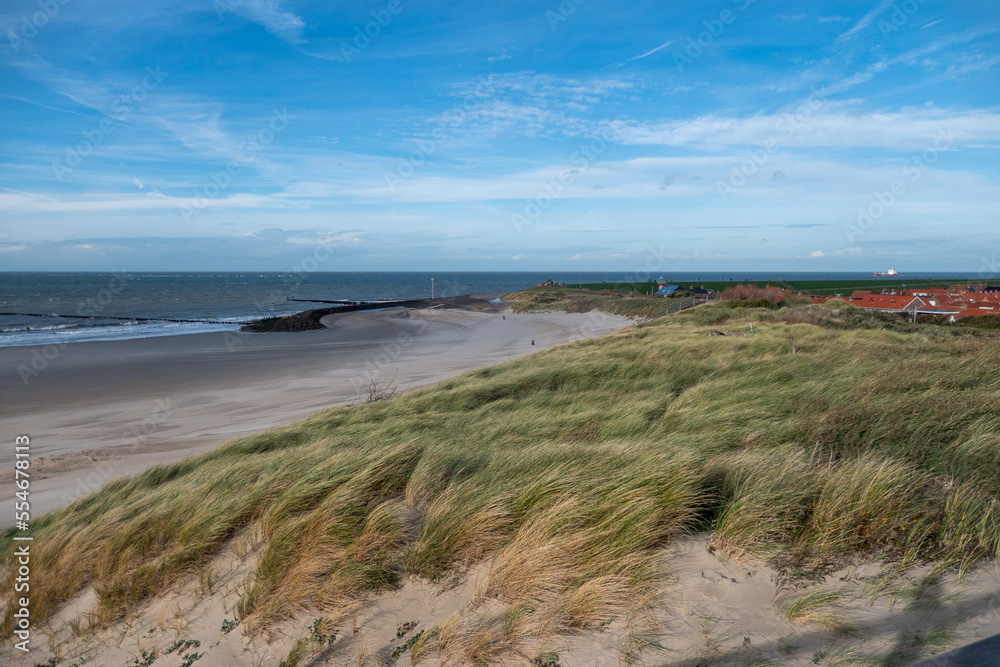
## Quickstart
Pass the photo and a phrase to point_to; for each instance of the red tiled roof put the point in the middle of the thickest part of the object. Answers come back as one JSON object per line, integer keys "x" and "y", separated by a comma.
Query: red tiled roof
{"x": 979, "y": 312}
{"x": 889, "y": 301}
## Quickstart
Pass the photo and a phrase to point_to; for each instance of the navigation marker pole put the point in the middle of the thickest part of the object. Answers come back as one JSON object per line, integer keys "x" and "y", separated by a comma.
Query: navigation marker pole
{"x": 432, "y": 289}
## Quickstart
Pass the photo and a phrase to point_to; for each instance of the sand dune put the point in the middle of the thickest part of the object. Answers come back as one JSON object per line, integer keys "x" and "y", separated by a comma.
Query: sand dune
{"x": 100, "y": 410}
{"x": 710, "y": 611}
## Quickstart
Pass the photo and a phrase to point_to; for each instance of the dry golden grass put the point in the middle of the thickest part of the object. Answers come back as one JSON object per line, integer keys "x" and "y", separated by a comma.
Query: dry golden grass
{"x": 823, "y": 608}
{"x": 567, "y": 472}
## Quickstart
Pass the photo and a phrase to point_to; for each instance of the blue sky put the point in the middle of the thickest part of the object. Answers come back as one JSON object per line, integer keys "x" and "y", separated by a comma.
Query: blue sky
{"x": 418, "y": 135}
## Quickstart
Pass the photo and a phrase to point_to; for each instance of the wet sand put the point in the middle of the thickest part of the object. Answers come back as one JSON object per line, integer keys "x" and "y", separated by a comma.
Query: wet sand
{"x": 99, "y": 410}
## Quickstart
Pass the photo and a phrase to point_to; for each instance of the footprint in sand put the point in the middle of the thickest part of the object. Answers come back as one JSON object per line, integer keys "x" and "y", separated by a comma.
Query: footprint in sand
{"x": 717, "y": 577}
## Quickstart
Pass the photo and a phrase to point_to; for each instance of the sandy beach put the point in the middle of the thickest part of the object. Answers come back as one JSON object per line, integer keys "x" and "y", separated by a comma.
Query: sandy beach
{"x": 99, "y": 410}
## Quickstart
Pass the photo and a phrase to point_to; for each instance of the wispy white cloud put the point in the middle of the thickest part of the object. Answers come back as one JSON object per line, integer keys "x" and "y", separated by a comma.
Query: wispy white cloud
{"x": 914, "y": 55}
{"x": 270, "y": 15}
{"x": 313, "y": 237}
{"x": 963, "y": 62}
{"x": 287, "y": 245}
{"x": 143, "y": 99}
{"x": 42, "y": 106}
{"x": 30, "y": 203}
{"x": 970, "y": 66}
{"x": 651, "y": 51}
{"x": 866, "y": 20}
{"x": 537, "y": 88}
{"x": 529, "y": 103}
{"x": 497, "y": 116}
{"x": 846, "y": 83}
{"x": 906, "y": 129}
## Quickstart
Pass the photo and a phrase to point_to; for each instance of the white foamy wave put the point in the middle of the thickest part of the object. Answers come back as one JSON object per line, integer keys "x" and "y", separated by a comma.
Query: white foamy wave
{"x": 120, "y": 331}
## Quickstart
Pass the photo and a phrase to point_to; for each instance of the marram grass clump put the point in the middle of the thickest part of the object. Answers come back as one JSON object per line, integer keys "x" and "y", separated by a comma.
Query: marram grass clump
{"x": 804, "y": 441}
{"x": 570, "y": 300}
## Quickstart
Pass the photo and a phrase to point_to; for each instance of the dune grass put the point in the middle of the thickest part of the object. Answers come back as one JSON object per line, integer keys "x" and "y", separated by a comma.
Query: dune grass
{"x": 582, "y": 301}
{"x": 818, "y": 608}
{"x": 820, "y": 436}
{"x": 987, "y": 322}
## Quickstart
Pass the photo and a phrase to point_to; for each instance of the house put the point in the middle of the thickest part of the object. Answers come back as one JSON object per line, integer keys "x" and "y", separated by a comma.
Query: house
{"x": 857, "y": 296}
{"x": 928, "y": 291}
{"x": 667, "y": 290}
{"x": 955, "y": 302}
{"x": 892, "y": 303}
{"x": 946, "y": 311}
{"x": 981, "y": 311}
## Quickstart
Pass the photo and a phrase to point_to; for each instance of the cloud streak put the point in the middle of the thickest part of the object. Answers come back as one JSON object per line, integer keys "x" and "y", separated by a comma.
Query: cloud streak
{"x": 907, "y": 129}
{"x": 270, "y": 15}
{"x": 865, "y": 20}
{"x": 651, "y": 51}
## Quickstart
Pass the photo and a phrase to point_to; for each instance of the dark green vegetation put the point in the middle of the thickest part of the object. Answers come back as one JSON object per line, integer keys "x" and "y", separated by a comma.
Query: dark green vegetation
{"x": 821, "y": 287}
{"x": 874, "y": 284}
{"x": 646, "y": 288}
{"x": 816, "y": 435}
{"x": 987, "y": 323}
{"x": 572, "y": 300}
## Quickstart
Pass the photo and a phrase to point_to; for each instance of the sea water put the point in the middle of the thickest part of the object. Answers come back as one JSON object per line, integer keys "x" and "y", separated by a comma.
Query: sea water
{"x": 222, "y": 301}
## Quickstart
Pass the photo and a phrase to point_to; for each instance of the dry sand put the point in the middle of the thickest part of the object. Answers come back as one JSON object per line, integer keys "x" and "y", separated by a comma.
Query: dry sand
{"x": 100, "y": 410}
{"x": 712, "y": 611}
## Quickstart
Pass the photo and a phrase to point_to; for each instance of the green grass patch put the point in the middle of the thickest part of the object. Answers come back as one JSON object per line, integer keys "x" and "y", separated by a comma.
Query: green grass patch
{"x": 820, "y": 287}
{"x": 626, "y": 304}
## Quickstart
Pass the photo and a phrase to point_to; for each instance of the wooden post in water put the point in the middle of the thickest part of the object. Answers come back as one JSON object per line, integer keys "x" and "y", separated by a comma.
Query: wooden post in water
{"x": 432, "y": 289}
